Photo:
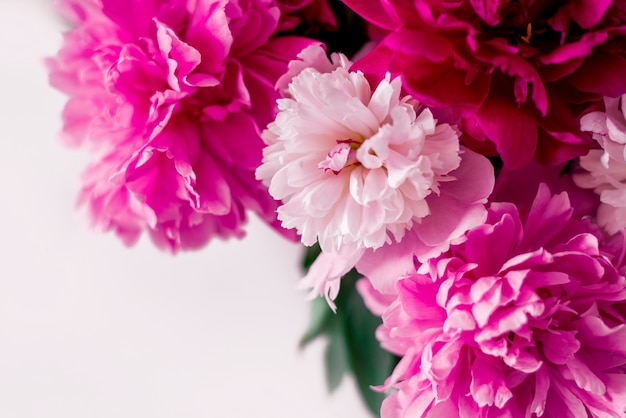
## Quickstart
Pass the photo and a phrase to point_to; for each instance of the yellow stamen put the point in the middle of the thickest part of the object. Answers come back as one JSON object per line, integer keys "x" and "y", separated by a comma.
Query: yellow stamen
{"x": 529, "y": 33}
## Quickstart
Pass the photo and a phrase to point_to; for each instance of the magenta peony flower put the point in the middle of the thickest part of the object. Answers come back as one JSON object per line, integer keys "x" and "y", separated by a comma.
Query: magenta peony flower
{"x": 605, "y": 168}
{"x": 526, "y": 318}
{"x": 520, "y": 73}
{"x": 307, "y": 15}
{"x": 172, "y": 95}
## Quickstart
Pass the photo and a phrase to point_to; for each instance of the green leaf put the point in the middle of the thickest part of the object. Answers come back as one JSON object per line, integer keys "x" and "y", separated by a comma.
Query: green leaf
{"x": 352, "y": 345}
{"x": 321, "y": 320}
{"x": 335, "y": 356}
{"x": 369, "y": 363}
{"x": 310, "y": 255}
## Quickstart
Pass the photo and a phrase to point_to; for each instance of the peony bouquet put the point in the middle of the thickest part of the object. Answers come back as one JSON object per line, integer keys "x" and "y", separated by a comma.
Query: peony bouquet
{"x": 455, "y": 168}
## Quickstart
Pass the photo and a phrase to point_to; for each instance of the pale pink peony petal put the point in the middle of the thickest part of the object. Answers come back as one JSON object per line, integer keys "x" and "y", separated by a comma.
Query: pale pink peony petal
{"x": 324, "y": 275}
{"x": 605, "y": 169}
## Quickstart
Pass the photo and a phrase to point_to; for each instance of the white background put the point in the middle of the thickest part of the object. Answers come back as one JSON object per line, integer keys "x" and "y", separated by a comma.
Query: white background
{"x": 90, "y": 328}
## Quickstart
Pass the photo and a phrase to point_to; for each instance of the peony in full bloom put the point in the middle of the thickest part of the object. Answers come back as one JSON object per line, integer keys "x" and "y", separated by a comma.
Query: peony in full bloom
{"x": 357, "y": 166}
{"x": 172, "y": 95}
{"x": 526, "y": 318}
{"x": 605, "y": 168}
{"x": 520, "y": 73}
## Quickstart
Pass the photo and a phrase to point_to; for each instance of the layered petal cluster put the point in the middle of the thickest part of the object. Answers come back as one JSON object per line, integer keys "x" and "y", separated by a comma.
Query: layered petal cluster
{"x": 526, "y": 318}
{"x": 605, "y": 168}
{"x": 172, "y": 96}
{"x": 520, "y": 73}
{"x": 356, "y": 166}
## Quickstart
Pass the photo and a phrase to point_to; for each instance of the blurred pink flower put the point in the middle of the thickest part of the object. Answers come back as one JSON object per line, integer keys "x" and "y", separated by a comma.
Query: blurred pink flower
{"x": 521, "y": 73}
{"x": 172, "y": 96}
{"x": 605, "y": 168}
{"x": 525, "y": 318}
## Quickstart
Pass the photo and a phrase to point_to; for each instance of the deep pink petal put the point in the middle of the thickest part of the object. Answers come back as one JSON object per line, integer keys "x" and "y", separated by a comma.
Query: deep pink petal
{"x": 516, "y": 131}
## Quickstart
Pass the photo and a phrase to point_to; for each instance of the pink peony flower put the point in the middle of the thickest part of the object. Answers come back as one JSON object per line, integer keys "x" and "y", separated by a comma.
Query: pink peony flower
{"x": 355, "y": 166}
{"x": 521, "y": 73}
{"x": 172, "y": 96}
{"x": 606, "y": 168}
{"x": 526, "y": 318}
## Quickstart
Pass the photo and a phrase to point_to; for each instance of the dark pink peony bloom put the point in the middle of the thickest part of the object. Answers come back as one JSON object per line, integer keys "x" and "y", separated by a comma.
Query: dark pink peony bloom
{"x": 520, "y": 73}
{"x": 172, "y": 96}
{"x": 309, "y": 16}
{"x": 526, "y": 318}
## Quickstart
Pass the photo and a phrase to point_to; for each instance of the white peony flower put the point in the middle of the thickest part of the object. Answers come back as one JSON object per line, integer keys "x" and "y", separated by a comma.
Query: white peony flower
{"x": 353, "y": 167}
{"x": 606, "y": 167}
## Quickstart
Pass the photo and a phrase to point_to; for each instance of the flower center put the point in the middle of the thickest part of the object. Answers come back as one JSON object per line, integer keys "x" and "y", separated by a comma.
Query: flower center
{"x": 342, "y": 155}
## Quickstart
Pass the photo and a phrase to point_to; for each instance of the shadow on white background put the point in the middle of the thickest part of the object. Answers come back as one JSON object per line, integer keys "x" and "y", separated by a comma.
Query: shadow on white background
{"x": 90, "y": 328}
